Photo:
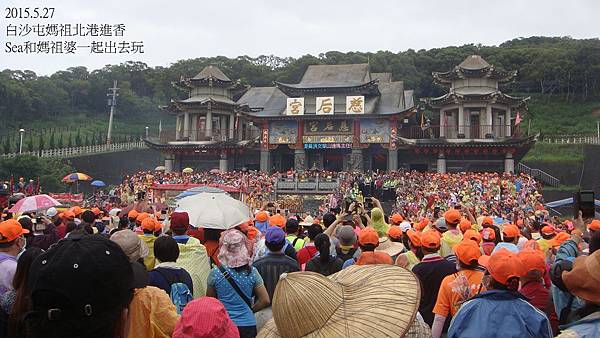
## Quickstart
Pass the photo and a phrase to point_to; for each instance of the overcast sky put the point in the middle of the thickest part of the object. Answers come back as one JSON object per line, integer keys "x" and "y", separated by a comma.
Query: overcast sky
{"x": 182, "y": 29}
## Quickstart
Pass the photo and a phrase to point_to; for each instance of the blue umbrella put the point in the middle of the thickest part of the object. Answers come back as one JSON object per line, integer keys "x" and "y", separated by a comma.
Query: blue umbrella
{"x": 198, "y": 190}
{"x": 98, "y": 184}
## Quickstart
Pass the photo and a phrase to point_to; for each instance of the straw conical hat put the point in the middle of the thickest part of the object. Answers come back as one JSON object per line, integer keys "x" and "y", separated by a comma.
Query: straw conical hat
{"x": 359, "y": 301}
{"x": 389, "y": 247}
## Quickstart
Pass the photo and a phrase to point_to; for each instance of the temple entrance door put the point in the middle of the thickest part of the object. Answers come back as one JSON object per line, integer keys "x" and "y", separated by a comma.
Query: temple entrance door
{"x": 379, "y": 162}
{"x": 287, "y": 162}
{"x": 333, "y": 161}
{"x": 420, "y": 167}
{"x": 475, "y": 125}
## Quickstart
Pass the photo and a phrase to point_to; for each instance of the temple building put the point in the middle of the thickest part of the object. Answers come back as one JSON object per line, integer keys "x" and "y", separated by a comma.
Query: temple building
{"x": 338, "y": 117}
{"x": 211, "y": 130}
{"x": 346, "y": 118}
{"x": 478, "y": 126}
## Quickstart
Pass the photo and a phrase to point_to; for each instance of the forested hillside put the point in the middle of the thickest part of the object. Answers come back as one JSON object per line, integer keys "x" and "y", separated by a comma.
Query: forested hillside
{"x": 561, "y": 74}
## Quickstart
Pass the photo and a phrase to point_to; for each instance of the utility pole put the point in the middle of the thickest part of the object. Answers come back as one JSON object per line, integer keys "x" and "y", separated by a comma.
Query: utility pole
{"x": 112, "y": 102}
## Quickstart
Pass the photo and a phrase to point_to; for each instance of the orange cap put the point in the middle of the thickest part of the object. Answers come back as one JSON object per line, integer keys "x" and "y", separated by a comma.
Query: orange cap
{"x": 76, "y": 210}
{"x": 430, "y": 239}
{"x": 532, "y": 244}
{"x": 472, "y": 235}
{"x": 422, "y": 224}
{"x": 394, "y": 232}
{"x": 69, "y": 215}
{"x": 142, "y": 216}
{"x": 464, "y": 225}
{"x": 533, "y": 260}
{"x": 397, "y": 218}
{"x": 467, "y": 251}
{"x": 368, "y": 236}
{"x": 132, "y": 214}
{"x": 503, "y": 265}
{"x": 277, "y": 220}
{"x": 96, "y": 211}
{"x": 10, "y": 230}
{"x": 452, "y": 217}
{"x": 511, "y": 231}
{"x": 149, "y": 224}
{"x": 548, "y": 230}
{"x": 487, "y": 220}
{"x": 488, "y": 234}
{"x": 157, "y": 225}
{"x": 559, "y": 239}
{"x": 414, "y": 237}
{"x": 594, "y": 226}
{"x": 261, "y": 216}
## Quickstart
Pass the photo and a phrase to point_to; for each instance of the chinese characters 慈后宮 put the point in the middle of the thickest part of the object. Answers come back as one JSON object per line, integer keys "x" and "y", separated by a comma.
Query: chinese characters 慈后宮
{"x": 328, "y": 127}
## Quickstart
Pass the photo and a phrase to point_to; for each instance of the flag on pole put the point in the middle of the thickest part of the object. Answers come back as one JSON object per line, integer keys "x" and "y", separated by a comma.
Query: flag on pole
{"x": 518, "y": 119}
{"x": 159, "y": 128}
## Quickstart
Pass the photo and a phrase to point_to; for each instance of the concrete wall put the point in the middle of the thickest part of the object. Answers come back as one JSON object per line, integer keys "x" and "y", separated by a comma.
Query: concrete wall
{"x": 111, "y": 167}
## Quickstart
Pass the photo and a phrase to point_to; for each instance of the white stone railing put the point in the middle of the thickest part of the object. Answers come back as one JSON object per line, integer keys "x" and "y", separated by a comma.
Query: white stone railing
{"x": 538, "y": 174}
{"x": 572, "y": 140}
{"x": 78, "y": 151}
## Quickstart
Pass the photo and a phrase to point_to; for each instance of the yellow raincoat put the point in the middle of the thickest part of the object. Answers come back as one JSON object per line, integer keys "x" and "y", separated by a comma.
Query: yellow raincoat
{"x": 194, "y": 259}
{"x": 151, "y": 314}
{"x": 150, "y": 260}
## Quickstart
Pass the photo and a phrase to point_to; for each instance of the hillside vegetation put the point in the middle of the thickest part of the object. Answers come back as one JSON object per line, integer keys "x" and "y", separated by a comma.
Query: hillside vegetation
{"x": 561, "y": 74}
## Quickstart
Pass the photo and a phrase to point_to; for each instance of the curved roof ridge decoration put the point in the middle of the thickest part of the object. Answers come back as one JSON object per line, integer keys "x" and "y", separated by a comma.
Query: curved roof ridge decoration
{"x": 474, "y": 66}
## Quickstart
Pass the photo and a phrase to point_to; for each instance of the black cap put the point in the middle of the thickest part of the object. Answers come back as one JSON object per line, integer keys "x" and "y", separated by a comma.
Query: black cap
{"x": 292, "y": 224}
{"x": 80, "y": 277}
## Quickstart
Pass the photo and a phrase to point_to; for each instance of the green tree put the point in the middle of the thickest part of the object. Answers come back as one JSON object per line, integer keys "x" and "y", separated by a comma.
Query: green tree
{"x": 41, "y": 142}
{"x": 49, "y": 170}
{"x": 78, "y": 140}
{"x": 6, "y": 145}
{"x": 30, "y": 143}
{"x": 70, "y": 141}
{"x": 51, "y": 142}
{"x": 60, "y": 144}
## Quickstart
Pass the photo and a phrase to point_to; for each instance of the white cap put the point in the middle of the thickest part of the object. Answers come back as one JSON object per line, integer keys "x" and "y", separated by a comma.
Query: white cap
{"x": 114, "y": 212}
{"x": 51, "y": 212}
{"x": 405, "y": 226}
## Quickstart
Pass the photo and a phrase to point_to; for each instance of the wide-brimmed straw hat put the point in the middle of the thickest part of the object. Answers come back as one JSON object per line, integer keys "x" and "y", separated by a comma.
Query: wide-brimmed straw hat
{"x": 359, "y": 301}
{"x": 389, "y": 247}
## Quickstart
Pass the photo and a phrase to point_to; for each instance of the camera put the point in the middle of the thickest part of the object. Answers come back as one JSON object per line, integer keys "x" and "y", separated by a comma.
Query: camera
{"x": 584, "y": 201}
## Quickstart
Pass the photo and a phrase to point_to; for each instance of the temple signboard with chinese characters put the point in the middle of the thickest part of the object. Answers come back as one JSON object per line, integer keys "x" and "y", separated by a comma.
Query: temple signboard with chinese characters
{"x": 295, "y": 106}
{"x": 355, "y": 104}
{"x": 325, "y": 105}
{"x": 312, "y": 127}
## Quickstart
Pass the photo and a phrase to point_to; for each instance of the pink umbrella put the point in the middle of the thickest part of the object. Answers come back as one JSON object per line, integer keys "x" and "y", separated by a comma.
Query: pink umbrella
{"x": 33, "y": 203}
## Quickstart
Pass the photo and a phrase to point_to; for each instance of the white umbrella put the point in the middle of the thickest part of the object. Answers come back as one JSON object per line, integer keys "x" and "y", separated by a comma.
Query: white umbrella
{"x": 214, "y": 210}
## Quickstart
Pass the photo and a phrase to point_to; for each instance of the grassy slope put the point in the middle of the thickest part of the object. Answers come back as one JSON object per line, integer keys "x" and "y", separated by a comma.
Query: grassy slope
{"x": 554, "y": 116}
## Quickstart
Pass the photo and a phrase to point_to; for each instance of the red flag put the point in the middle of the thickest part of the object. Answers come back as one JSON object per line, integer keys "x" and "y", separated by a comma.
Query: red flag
{"x": 518, "y": 119}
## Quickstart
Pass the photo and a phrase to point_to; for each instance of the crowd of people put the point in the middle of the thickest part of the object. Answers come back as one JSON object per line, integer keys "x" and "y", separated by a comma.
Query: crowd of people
{"x": 456, "y": 255}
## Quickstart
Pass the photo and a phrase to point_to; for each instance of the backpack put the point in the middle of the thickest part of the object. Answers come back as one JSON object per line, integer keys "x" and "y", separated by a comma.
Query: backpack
{"x": 180, "y": 293}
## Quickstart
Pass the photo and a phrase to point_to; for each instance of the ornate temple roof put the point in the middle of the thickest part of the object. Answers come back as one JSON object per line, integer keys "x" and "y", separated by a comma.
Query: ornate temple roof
{"x": 473, "y": 66}
{"x": 353, "y": 78}
{"x": 211, "y": 72}
{"x": 208, "y": 76}
{"x": 382, "y": 96}
{"x": 495, "y": 97}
